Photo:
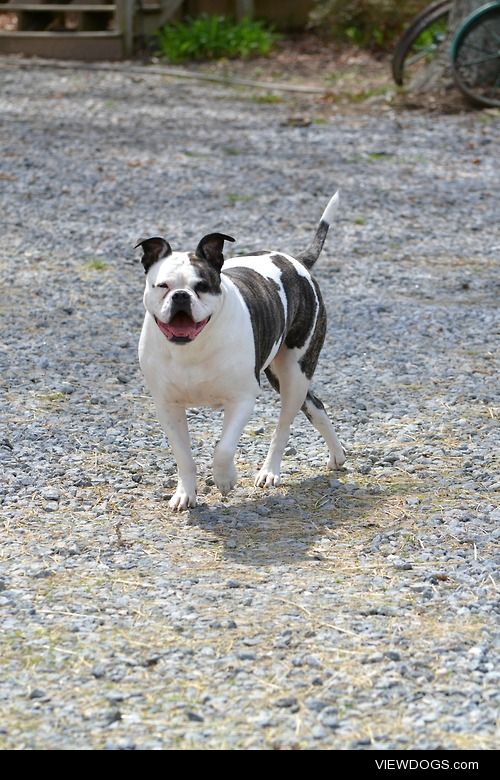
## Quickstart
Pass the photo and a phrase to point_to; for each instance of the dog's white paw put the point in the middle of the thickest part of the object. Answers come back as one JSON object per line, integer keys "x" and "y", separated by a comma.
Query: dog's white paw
{"x": 336, "y": 460}
{"x": 267, "y": 478}
{"x": 225, "y": 479}
{"x": 182, "y": 500}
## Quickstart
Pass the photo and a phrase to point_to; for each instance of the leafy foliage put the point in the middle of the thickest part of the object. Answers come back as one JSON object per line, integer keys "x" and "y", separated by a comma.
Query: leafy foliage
{"x": 373, "y": 24}
{"x": 432, "y": 35}
{"x": 210, "y": 37}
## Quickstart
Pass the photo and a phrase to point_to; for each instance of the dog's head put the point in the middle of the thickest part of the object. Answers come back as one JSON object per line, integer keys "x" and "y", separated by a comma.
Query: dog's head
{"x": 183, "y": 288}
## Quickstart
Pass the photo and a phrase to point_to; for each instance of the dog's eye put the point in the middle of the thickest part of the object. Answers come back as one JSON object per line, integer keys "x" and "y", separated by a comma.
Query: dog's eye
{"x": 201, "y": 287}
{"x": 163, "y": 285}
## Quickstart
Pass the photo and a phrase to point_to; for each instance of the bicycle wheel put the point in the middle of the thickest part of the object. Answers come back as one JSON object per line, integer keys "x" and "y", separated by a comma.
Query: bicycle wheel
{"x": 475, "y": 56}
{"x": 420, "y": 41}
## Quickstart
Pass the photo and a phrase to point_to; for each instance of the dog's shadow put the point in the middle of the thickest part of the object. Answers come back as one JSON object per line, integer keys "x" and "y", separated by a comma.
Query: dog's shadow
{"x": 287, "y": 524}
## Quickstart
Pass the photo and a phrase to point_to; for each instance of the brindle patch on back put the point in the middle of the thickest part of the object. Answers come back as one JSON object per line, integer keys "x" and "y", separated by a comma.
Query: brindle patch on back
{"x": 309, "y": 359}
{"x": 209, "y": 277}
{"x": 267, "y": 314}
{"x": 301, "y": 302}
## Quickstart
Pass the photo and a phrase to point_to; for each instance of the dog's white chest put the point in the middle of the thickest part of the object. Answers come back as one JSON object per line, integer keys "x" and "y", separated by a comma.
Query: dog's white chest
{"x": 205, "y": 373}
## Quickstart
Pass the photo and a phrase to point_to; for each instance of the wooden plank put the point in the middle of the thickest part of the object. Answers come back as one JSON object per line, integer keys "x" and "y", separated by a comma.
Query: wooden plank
{"x": 56, "y": 8}
{"x": 64, "y": 46}
{"x": 69, "y": 36}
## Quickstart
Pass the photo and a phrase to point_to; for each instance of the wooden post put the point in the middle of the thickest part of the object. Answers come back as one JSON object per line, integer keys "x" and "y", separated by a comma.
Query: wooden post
{"x": 244, "y": 8}
{"x": 124, "y": 19}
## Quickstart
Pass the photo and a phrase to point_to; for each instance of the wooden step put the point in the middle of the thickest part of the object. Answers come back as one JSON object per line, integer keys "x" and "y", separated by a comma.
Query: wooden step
{"x": 70, "y": 8}
{"x": 88, "y": 46}
{"x": 83, "y": 30}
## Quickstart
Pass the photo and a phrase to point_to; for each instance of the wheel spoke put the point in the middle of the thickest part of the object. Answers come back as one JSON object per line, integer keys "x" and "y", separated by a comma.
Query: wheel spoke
{"x": 467, "y": 45}
{"x": 492, "y": 34}
{"x": 419, "y": 56}
{"x": 468, "y": 63}
{"x": 476, "y": 57}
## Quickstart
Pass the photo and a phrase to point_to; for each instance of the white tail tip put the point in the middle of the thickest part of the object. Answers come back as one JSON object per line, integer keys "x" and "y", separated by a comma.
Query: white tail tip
{"x": 331, "y": 209}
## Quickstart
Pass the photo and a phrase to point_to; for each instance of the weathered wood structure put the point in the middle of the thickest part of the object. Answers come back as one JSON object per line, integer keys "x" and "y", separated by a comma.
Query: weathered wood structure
{"x": 107, "y": 29}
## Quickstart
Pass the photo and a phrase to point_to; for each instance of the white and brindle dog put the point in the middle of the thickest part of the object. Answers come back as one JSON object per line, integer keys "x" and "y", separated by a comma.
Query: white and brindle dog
{"x": 212, "y": 326}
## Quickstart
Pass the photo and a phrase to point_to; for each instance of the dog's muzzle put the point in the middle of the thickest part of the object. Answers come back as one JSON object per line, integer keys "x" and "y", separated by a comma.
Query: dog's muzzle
{"x": 181, "y": 328}
{"x": 181, "y": 301}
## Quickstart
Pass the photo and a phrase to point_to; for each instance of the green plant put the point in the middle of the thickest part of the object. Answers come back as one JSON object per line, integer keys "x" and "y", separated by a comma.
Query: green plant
{"x": 431, "y": 35}
{"x": 213, "y": 37}
{"x": 97, "y": 265}
{"x": 372, "y": 24}
{"x": 263, "y": 99}
{"x": 233, "y": 198}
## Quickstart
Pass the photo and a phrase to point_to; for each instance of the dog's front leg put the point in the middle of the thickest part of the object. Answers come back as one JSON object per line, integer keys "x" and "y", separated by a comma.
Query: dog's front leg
{"x": 236, "y": 416}
{"x": 173, "y": 421}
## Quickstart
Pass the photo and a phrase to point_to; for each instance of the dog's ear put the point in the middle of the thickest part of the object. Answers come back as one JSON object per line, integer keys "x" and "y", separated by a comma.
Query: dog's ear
{"x": 210, "y": 248}
{"x": 154, "y": 249}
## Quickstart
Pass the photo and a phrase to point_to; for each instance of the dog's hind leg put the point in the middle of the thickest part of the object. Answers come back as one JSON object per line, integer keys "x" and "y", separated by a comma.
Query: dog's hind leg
{"x": 287, "y": 377}
{"x": 315, "y": 412}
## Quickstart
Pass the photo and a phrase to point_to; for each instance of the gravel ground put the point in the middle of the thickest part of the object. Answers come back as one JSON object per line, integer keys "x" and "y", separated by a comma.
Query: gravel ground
{"x": 347, "y": 610}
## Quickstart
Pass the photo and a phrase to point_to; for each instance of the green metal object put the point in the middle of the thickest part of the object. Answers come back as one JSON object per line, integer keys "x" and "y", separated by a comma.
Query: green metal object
{"x": 420, "y": 42}
{"x": 475, "y": 56}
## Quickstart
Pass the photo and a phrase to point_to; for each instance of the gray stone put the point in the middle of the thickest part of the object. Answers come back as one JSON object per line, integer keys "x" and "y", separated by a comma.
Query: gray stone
{"x": 114, "y": 604}
{"x": 329, "y": 718}
{"x": 286, "y": 702}
{"x": 195, "y": 717}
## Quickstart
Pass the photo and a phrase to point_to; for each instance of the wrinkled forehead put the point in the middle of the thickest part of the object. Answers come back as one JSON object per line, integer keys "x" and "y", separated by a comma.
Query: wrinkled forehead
{"x": 176, "y": 270}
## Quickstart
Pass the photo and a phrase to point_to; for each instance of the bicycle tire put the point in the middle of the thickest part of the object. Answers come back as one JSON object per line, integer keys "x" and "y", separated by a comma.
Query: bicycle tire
{"x": 421, "y": 22}
{"x": 481, "y": 85}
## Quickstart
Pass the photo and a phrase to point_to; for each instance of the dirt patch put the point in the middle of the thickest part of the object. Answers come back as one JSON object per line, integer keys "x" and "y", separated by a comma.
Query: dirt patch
{"x": 350, "y": 77}
{"x": 345, "y": 73}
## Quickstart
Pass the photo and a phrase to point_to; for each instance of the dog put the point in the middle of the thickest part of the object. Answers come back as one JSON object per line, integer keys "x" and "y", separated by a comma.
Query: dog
{"x": 212, "y": 326}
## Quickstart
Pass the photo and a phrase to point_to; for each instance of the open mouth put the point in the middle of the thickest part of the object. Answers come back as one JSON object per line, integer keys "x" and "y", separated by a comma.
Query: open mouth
{"x": 181, "y": 328}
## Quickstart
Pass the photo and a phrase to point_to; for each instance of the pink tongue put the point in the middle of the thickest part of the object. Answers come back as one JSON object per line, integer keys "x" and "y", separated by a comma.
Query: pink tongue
{"x": 181, "y": 326}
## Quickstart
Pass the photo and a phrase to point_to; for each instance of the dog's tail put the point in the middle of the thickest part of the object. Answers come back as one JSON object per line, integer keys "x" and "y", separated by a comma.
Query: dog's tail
{"x": 309, "y": 256}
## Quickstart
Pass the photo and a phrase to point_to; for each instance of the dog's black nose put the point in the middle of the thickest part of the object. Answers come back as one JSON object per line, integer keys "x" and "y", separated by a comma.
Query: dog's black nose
{"x": 180, "y": 296}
